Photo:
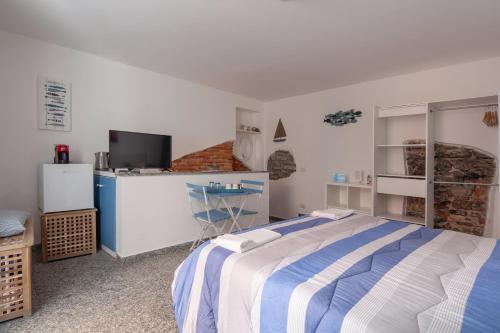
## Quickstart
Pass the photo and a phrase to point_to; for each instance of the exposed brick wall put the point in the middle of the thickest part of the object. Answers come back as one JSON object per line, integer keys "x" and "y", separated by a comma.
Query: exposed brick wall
{"x": 239, "y": 165}
{"x": 219, "y": 157}
{"x": 456, "y": 207}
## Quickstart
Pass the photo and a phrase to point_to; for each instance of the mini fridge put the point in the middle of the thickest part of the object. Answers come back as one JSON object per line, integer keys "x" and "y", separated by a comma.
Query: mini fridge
{"x": 64, "y": 187}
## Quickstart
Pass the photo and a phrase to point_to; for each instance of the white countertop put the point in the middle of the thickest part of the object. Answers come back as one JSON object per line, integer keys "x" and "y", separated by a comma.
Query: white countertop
{"x": 135, "y": 174}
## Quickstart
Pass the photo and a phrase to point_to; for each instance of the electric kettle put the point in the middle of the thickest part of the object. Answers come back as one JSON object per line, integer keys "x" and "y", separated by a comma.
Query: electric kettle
{"x": 101, "y": 160}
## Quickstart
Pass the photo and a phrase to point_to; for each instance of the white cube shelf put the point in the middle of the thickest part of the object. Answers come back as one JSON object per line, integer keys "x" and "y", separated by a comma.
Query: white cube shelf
{"x": 357, "y": 197}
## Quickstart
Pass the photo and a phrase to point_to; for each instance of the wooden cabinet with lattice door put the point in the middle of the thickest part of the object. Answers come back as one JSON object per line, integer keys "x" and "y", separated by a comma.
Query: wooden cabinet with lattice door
{"x": 15, "y": 274}
{"x": 68, "y": 234}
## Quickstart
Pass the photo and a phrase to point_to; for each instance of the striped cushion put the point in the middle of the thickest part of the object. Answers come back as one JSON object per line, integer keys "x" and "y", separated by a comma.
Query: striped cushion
{"x": 12, "y": 222}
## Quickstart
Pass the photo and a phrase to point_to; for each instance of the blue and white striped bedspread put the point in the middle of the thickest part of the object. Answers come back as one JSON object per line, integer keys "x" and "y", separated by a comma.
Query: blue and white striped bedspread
{"x": 359, "y": 274}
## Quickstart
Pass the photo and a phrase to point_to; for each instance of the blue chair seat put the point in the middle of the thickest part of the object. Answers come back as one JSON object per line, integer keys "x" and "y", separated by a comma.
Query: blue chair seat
{"x": 253, "y": 190}
{"x": 215, "y": 215}
{"x": 243, "y": 211}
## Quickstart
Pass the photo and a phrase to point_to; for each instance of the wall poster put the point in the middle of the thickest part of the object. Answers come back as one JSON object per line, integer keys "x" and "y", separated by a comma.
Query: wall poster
{"x": 54, "y": 104}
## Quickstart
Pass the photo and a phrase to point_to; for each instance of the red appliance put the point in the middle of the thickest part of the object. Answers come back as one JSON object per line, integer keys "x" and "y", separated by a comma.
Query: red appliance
{"x": 61, "y": 154}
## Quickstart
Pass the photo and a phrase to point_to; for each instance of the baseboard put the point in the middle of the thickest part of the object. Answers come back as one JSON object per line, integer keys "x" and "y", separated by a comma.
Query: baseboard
{"x": 109, "y": 251}
{"x": 164, "y": 250}
{"x": 276, "y": 219}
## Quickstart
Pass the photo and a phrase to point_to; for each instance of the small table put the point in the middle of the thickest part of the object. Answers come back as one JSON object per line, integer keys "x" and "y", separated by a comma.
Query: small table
{"x": 15, "y": 260}
{"x": 225, "y": 197}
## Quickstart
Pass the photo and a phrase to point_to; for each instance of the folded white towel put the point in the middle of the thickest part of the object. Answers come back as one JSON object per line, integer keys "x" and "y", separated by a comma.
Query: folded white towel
{"x": 333, "y": 213}
{"x": 246, "y": 241}
{"x": 232, "y": 242}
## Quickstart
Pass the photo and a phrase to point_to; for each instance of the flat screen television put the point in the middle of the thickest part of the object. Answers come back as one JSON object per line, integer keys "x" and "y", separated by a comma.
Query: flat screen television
{"x": 139, "y": 150}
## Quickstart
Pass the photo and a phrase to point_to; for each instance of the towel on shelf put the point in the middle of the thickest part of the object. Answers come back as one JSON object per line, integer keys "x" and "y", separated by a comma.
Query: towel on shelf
{"x": 247, "y": 240}
{"x": 333, "y": 213}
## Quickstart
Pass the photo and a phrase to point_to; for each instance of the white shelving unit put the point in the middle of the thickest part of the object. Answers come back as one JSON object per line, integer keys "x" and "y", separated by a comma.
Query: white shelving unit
{"x": 392, "y": 127}
{"x": 357, "y": 197}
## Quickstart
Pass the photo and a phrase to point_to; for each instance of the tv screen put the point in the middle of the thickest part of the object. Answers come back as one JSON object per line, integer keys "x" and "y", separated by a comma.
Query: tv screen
{"x": 139, "y": 150}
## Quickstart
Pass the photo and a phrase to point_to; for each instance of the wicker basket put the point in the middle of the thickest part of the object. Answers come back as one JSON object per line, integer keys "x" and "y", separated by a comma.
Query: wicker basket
{"x": 68, "y": 234}
{"x": 15, "y": 273}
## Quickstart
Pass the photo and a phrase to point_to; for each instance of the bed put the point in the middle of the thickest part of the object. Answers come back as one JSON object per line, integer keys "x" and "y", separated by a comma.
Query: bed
{"x": 357, "y": 274}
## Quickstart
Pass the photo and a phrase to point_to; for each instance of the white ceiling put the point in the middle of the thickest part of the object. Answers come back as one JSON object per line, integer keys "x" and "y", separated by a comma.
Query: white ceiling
{"x": 267, "y": 49}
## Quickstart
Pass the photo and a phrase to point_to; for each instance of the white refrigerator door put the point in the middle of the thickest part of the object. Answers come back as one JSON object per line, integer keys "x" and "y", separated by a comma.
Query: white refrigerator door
{"x": 67, "y": 187}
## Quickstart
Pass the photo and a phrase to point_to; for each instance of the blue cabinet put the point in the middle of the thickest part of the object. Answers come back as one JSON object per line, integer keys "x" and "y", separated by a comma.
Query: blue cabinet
{"x": 105, "y": 202}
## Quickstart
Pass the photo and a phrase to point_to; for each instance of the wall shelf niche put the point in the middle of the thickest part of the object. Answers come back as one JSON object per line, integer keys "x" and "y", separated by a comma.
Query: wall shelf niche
{"x": 247, "y": 132}
{"x": 249, "y": 144}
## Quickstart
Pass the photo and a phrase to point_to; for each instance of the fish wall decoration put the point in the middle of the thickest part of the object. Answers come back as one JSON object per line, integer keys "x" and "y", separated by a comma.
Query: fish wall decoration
{"x": 341, "y": 118}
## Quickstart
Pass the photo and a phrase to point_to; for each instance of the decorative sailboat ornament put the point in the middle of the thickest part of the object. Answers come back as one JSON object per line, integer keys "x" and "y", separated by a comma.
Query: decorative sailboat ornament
{"x": 280, "y": 134}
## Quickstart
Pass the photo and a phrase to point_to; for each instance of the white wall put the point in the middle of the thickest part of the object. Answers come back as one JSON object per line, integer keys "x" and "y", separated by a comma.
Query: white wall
{"x": 321, "y": 149}
{"x": 106, "y": 95}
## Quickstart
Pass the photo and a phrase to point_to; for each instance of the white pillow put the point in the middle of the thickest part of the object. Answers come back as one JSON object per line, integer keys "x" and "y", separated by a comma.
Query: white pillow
{"x": 12, "y": 222}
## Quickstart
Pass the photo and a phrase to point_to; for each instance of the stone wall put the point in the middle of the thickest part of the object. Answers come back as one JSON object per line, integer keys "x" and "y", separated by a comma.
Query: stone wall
{"x": 456, "y": 207}
{"x": 219, "y": 157}
{"x": 281, "y": 164}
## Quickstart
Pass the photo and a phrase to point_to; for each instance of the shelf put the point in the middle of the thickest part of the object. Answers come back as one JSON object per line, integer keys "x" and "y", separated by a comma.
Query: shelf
{"x": 339, "y": 206}
{"x": 357, "y": 197}
{"x": 403, "y": 110}
{"x": 391, "y": 175}
{"x": 247, "y": 132}
{"x": 402, "y": 145}
{"x": 364, "y": 210}
{"x": 404, "y": 218}
{"x": 469, "y": 103}
{"x": 460, "y": 183}
{"x": 350, "y": 185}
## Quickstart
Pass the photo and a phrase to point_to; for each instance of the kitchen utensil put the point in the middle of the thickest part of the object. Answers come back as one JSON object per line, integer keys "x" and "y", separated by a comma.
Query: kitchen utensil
{"x": 61, "y": 154}
{"x": 101, "y": 160}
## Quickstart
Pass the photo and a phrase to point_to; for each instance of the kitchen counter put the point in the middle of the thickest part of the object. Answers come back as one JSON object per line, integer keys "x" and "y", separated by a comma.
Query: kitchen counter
{"x": 150, "y": 213}
{"x": 135, "y": 174}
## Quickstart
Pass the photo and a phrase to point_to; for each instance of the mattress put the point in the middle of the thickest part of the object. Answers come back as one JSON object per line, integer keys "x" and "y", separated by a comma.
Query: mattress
{"x": 358, "y": 274}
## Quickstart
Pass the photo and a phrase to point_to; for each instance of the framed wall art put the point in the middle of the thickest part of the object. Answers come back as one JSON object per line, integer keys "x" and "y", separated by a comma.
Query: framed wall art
{"x": 54, "y": 104}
